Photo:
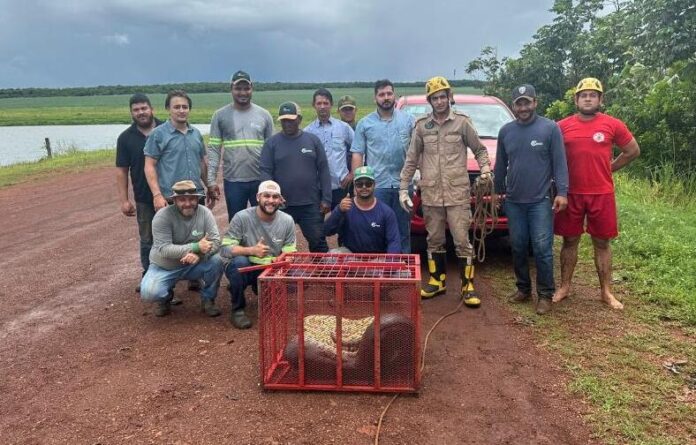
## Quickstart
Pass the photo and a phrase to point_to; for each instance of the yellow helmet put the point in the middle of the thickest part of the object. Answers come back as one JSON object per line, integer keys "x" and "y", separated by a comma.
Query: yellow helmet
{"x": 437, "y": 83}
{"x": 589, "y": 83}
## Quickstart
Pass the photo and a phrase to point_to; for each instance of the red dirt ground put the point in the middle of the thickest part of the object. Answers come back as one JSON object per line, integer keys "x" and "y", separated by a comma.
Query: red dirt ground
{"x": 82, "y": 360}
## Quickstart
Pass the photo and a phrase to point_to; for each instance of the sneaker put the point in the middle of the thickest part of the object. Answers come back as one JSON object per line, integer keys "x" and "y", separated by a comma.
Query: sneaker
{"x": 175, "y": 301}
{"x": 518, "y": 297}
{"x": 239, "y": 319}
{"x": 543, "y": 306}
{"x": 163, "y": 308}
{"x": 208, "y": 306}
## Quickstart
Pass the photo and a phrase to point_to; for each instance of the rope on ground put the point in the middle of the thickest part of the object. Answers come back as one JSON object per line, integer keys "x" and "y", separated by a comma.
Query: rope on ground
{"x": 485, "y": 215}
{"x": 422, "y": 366}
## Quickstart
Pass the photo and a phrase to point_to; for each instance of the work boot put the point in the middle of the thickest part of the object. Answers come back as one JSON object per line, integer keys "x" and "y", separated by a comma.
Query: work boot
{"x": 437, "y": 262}
{"x": 518, "y": 297}
{"x": 208, "y": 306}
{"x": 466, "y": 271}
{"x": 543, "y": 306}
{"x": 163, "y": 308}
{"x": 239, "y": 319}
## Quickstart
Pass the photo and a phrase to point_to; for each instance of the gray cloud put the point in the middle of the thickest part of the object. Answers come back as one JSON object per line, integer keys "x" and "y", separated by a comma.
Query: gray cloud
{"x": 83, "y": 42}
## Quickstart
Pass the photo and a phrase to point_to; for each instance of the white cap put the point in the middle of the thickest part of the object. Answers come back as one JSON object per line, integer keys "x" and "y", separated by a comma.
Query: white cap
{"x": 269, "y": 187}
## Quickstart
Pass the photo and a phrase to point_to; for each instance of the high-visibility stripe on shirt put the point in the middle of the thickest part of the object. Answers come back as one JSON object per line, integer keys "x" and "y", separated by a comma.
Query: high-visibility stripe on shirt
{"x": 243, "y": 143}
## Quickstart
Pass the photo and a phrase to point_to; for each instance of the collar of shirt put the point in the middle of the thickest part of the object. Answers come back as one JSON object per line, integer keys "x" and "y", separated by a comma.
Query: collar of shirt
{"x": 317, "y": 123}
{"x": 449, "y": 117}
{"x": 172, "y": 129}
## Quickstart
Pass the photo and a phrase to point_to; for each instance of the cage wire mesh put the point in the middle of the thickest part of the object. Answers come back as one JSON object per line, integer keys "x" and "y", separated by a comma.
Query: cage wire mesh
{"x": 340, "y": 322}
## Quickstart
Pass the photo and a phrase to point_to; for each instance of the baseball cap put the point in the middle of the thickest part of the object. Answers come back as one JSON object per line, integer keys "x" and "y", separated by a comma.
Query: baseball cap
{"x": 240, "y": 76}
{"x": 289, "y": 110}
{"x": 525, "y": 91}
{"x": 269, "y": 187}
{"x": 364, "y": 172}
{"x": 346, "y": 101}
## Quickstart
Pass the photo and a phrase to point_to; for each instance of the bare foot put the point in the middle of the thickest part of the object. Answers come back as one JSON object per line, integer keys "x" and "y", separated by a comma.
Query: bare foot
{"x": 610, "y": 300}
{"x": 560, "y": 294}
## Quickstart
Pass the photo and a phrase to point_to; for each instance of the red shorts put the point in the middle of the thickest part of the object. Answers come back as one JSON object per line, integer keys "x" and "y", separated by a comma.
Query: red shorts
{"x": 595, "y": 214}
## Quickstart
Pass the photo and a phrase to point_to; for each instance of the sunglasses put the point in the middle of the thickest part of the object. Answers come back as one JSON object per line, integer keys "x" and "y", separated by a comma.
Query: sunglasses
{"x": 364, "y": 184}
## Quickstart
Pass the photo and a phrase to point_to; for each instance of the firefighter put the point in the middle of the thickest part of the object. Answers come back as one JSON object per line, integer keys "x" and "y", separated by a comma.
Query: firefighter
{"x": 439, "y": 145}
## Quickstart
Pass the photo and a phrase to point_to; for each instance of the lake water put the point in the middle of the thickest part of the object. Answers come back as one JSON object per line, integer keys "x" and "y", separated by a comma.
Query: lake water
{"x": 22, "y": 144}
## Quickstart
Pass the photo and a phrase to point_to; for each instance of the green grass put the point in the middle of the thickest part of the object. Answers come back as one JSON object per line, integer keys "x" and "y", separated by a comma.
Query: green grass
{"x": 70, "y": 161}
{"x": 114, "y": 109}
{"x": 615, "y": 358}
{"x": 655, "y": 252}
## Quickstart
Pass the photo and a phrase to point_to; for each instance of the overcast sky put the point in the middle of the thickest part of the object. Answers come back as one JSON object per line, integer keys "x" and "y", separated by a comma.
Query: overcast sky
{"x": 49, "y": 43}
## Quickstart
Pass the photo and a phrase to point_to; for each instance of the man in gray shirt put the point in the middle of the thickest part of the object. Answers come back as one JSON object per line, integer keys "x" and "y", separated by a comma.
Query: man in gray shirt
{"x": 185, "y": 243}
{"x": 238, "y": 130}
{"x": 256, "y": 235}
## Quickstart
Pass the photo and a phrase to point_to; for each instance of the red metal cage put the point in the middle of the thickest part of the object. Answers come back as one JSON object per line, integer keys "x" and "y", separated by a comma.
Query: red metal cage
{"x": 340, "y": 322}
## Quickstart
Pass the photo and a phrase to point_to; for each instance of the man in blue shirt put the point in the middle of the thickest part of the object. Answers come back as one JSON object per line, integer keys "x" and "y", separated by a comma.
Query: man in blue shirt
{"x": 365, "y": 224}
{"x": 175, "y": 151}
{"x": 530, "y": 154}
{"x": 337, "y": 137}
{"x": 383, "y": 137}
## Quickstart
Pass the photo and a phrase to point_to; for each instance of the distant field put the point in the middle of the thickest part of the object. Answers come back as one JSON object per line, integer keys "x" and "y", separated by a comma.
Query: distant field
{"x": 114, "y": 109}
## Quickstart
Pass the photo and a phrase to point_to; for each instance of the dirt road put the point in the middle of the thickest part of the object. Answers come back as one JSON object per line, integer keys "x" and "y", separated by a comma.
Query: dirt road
{"x": 83, "y": 361}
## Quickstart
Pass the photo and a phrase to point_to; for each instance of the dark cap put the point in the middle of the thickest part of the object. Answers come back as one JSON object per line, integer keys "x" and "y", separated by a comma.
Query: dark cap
{"x": 240, "y": 76}
{"x": 523, "y": 92}
{"x": 289, "y": 110}
{"x": 346, "y": 101}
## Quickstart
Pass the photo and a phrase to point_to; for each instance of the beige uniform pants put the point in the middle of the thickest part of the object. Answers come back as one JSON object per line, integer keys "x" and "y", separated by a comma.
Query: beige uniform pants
{"x": 458, "y": 217}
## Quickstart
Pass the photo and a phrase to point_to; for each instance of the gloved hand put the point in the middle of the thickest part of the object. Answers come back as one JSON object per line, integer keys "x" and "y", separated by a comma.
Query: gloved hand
{"x": 485, "y": 176}
{"x": 416, "y": 178}
{"x": 405, "y": 201}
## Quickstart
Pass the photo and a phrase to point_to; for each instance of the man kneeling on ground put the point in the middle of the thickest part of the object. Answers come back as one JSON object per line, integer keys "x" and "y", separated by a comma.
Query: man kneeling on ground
{"x": 364, "y": 224}
{"x": 185, "y": 242}
{"x": 256, "y": 236}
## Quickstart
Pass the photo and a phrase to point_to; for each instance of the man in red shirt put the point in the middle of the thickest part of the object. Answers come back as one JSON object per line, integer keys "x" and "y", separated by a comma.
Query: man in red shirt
{"x": 589, "y": 137}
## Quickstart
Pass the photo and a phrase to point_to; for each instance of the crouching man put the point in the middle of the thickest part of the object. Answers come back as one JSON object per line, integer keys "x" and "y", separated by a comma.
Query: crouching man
{"x": 364, "y": 224}
{"x": 256, "y": 236}
{"x": 185, "y": 243}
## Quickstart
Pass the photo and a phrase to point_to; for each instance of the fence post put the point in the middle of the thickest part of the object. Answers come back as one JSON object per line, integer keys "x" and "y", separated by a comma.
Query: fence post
{"x": 48, "y": 147}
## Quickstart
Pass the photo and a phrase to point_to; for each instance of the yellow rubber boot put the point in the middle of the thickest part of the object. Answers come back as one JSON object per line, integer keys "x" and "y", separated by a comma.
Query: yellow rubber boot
{"x": 466, "y": 269}
{"x": 437, "y": 268}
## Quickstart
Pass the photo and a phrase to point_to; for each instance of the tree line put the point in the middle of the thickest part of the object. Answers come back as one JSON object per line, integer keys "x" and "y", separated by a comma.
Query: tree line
{"x": 644, "y": 52}
{"x": 204, "y": 87}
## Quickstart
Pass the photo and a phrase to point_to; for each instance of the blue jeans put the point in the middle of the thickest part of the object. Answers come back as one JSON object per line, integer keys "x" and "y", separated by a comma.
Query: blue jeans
{"x": 157, "y": 282}
{"x": 237, "y": 194}
{"x": 239, "y": 281}
{"x": 144, "y": 212}
{"x": 532, "y": 222}
{"x": 403, "y": 219}
{"x": 311, "y": 222}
